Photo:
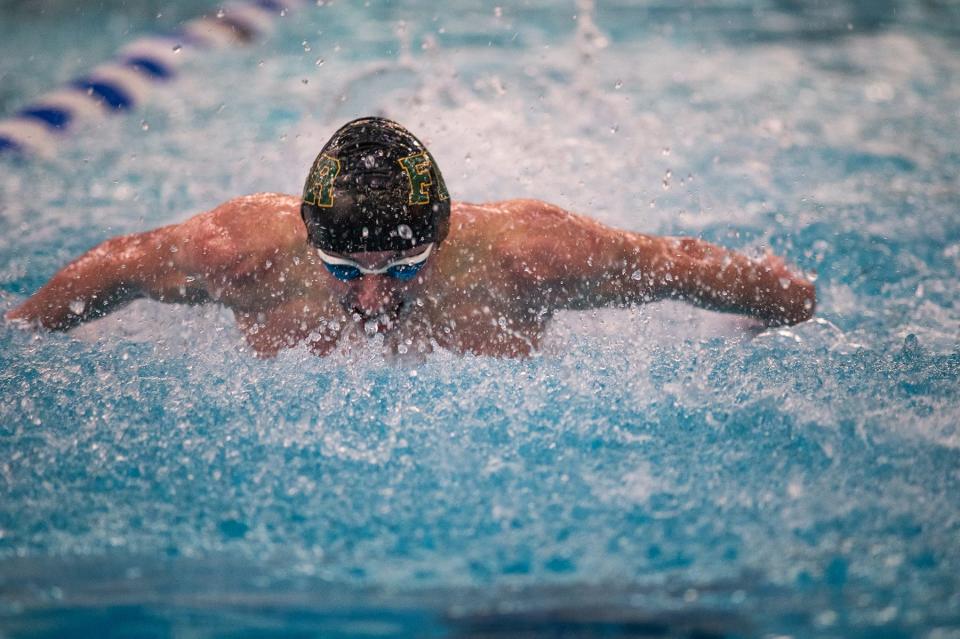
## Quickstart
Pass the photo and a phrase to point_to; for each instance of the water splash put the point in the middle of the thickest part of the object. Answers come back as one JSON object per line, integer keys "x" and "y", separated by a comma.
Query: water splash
{"x": 655, "y": 450}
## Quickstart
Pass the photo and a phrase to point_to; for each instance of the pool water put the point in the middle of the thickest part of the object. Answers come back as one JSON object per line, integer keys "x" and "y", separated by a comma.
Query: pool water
{"x": 661, "y": 471}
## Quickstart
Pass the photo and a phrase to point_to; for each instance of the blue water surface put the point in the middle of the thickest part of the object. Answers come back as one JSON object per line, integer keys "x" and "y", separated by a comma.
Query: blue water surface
{"x": 653, "y": 472}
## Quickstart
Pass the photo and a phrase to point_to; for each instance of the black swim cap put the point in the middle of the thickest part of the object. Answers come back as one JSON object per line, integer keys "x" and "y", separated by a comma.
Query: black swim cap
{"x": 374, "y": 187}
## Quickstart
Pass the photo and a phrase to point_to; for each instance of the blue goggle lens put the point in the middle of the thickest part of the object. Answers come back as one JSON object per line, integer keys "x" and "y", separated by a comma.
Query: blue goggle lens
{"x": 342, "y": 272}
{"x": 346, "y": 273}
{"x": 406, "y": 272}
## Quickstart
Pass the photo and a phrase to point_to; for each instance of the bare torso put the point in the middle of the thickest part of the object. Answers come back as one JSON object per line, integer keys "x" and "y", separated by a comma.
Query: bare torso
{"x": 252, "y": 256}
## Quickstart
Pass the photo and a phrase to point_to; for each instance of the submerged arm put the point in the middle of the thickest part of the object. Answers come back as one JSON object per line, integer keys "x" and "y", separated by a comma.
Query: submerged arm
{"x": 106, "y": 277}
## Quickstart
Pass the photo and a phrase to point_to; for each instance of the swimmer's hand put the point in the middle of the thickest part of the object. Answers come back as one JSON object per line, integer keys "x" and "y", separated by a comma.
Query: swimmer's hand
{"x": 20, "y": 318}
{"x": 65, "y": 302}
{"x": 715, "y": 278}
{"x": 796, "y": 301}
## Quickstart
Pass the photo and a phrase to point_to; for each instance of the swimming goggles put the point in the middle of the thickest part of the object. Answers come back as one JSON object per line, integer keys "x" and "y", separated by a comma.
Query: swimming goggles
{"x": 403, "y": 269}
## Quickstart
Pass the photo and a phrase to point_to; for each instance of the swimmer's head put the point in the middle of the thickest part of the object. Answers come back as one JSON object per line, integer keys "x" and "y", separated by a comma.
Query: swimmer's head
{"x": 374, "y": 187}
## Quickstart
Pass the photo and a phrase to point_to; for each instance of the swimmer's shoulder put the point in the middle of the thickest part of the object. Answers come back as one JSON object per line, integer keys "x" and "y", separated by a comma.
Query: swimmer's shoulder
{"x": 525, "y": 236}
{"x": 500, "y": 235}
{"x": 496, "y": 222}
{"x": 259, "y": 210}
{"x": 501, "y": 216}
{"x": 242, "y": 227}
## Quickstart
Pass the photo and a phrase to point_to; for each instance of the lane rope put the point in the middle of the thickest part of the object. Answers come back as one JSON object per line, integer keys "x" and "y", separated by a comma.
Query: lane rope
{"x": 127, "y": 80}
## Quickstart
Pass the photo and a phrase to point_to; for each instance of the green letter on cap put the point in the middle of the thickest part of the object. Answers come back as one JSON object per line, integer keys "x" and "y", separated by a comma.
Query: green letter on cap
{"x": 418, "y": 171}
{"x": 319, "y": 189}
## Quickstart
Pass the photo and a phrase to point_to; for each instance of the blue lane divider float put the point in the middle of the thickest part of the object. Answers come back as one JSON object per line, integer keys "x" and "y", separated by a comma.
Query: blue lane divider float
{"x": 126, "y": 81}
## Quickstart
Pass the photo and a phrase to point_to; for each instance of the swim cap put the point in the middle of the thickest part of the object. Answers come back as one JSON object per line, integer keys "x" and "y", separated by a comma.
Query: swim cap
{"x": 374, "y": 187}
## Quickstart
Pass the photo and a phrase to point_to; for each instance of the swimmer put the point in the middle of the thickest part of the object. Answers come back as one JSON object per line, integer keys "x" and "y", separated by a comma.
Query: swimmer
{"x": 375, "y": 246}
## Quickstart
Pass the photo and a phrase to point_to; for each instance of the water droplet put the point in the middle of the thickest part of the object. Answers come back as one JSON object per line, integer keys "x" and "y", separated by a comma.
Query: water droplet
{"x": 879, "y": 92}
{"x": 808, "y": 304}
{"x": 221, "y": 13}
{"x": 825, "y": 618}
{"x": 666, "y": 180}
{"x": 498, "y": 12}
{"x": 665, "y": 151}
{"x": 784, "y": 283}
{"x": 77, "y": 306}
{"x": 614, "y": 128}
{"x": 144, "y": 125}
{"x": 618, "y": 85}
{"x": 405, "y": 231}
{"x": 177, "y": 48}
{"x": 319, "y": 62}
{"x": 636, "y": 275}
{"x": 365, "y": 232}
{"x": 305, "y": 81}
{"x": 306, "y": 46}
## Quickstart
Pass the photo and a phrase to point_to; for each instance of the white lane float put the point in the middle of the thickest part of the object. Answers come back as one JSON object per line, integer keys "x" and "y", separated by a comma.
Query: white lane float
{"x": 128, "y": 80}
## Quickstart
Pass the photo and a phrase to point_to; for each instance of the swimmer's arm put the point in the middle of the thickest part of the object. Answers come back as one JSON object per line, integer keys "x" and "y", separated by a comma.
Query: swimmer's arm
{"x": 713, "y": 277}
{"x": 105, "y": 278}
{"x": 574, "y": 262}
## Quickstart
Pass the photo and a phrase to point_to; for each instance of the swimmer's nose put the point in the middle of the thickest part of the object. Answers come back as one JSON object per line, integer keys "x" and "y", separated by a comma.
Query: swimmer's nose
{"x": 374, "y": 295}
